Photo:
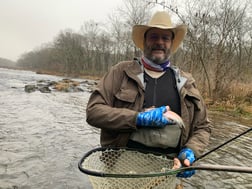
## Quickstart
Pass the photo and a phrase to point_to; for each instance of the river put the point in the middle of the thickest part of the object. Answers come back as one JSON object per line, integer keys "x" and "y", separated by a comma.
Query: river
{"x": 44, "y": 135}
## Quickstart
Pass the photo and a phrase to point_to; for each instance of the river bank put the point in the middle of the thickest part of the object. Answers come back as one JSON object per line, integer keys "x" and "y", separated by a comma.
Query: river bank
{"x": 235, "y": 105}
{"x": 238, "y": 104}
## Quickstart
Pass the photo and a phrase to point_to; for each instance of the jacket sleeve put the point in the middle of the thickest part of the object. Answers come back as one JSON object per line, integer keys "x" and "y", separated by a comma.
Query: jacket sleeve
{"x": 101, "y": 111}
{"x": 200, "y": 129}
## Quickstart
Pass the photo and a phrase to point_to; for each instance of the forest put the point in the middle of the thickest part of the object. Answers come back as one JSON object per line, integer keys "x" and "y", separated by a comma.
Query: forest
{"x": 217, "y": 49}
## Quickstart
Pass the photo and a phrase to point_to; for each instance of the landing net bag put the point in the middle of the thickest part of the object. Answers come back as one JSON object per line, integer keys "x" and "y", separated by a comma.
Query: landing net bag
{"x": 124, "y": 168}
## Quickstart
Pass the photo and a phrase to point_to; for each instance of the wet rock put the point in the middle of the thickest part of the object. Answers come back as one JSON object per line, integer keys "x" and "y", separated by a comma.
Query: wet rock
{"x": 30, "y": 88}
{"x": 64, "y": 85}
{"x": 44, "y": 89}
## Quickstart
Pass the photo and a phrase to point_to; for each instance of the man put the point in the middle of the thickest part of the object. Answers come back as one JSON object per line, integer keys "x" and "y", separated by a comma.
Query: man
{"x": 139, "y": 103}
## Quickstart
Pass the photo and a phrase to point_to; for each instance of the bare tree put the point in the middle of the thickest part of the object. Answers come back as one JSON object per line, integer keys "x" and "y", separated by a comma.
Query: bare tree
{"x": 132, "y": 12}
{"x": 69, "y": 51}
{"x": 215, "y": 42}
{"x": 217, "y": 49}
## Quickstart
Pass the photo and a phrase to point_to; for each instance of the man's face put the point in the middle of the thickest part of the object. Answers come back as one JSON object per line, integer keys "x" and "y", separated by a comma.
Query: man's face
{"x": 157, "y": 45}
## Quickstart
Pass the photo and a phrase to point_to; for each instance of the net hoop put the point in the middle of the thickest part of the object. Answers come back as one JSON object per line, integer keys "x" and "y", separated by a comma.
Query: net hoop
{"x": 89, "y": 171}
{"x": 126, "y": 168}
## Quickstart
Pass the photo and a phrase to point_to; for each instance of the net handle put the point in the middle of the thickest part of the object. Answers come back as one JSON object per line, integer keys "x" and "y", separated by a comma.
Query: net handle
{"x": 210, "y": 167}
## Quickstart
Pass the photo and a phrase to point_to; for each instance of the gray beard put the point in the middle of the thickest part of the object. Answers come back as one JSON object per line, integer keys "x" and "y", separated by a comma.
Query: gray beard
{"x": 147, "y": 54}
{"x": 158, "y": 60}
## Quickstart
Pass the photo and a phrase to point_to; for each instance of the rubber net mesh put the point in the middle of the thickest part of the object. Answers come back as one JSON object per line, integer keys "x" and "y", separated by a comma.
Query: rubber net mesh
{"x": 128, "y": 162}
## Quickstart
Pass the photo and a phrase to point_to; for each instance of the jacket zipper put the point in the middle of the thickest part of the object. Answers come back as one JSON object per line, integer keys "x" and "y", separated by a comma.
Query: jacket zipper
{"x": 154, "y": 93}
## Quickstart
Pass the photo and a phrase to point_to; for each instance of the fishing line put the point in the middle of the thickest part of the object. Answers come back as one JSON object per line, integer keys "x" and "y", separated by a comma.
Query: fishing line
{"x": 223, "y": 144}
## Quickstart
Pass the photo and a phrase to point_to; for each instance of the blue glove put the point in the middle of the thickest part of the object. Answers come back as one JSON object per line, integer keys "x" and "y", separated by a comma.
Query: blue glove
{"x": 186, "y": 153}
{"x": 153, "y": 118}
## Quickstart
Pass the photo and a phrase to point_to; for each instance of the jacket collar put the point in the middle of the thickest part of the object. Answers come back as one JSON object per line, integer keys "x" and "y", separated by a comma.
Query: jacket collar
{"x": 180, "y": 80}
{"x": 136, "y": 72}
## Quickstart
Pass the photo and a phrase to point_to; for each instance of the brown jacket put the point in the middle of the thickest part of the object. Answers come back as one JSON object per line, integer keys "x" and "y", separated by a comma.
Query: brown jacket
{"x": 114, "y": 105}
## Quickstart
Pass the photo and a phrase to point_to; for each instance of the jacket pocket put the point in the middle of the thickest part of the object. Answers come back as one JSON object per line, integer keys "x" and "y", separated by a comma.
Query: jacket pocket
{"x": 126, "y": 95}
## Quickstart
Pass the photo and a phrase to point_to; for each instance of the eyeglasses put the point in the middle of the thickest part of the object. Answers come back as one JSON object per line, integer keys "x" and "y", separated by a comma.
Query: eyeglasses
{"x": 156, "y": 37}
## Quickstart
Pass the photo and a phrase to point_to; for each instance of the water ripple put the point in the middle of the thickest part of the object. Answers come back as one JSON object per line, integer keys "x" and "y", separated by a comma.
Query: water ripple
{"x": 44, "y": 135}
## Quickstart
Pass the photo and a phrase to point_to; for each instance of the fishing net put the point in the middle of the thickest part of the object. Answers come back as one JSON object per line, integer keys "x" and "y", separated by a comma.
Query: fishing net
{"x": 123, "y": 168}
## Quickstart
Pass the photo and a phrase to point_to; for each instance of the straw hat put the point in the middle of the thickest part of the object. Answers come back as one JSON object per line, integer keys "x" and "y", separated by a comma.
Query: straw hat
{"x": 162, "y": 20}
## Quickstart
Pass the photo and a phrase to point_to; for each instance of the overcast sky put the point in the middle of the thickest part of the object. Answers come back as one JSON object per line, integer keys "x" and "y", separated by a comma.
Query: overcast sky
{"x": 27, "y": 24}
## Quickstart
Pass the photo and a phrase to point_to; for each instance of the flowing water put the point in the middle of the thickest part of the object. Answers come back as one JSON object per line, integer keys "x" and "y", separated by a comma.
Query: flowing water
{"x": 44, "y": 135}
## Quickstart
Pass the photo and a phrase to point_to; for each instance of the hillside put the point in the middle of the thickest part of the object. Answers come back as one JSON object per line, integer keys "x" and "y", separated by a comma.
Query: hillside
{"x": 5, "y": 63}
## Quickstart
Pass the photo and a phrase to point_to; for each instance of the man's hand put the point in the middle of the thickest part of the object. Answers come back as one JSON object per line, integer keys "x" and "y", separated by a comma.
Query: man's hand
{"x": 173, "y": 117}
{"x": 153, "y": 118}
{"x": 186, "y": 157}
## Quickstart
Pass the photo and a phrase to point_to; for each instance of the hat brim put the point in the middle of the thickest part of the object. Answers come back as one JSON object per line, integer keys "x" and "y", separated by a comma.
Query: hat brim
{"x": 139, "y": 31}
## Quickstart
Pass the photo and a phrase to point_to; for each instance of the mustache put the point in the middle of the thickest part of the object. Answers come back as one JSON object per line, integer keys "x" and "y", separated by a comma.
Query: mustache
{"x": 158, "y": 47}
